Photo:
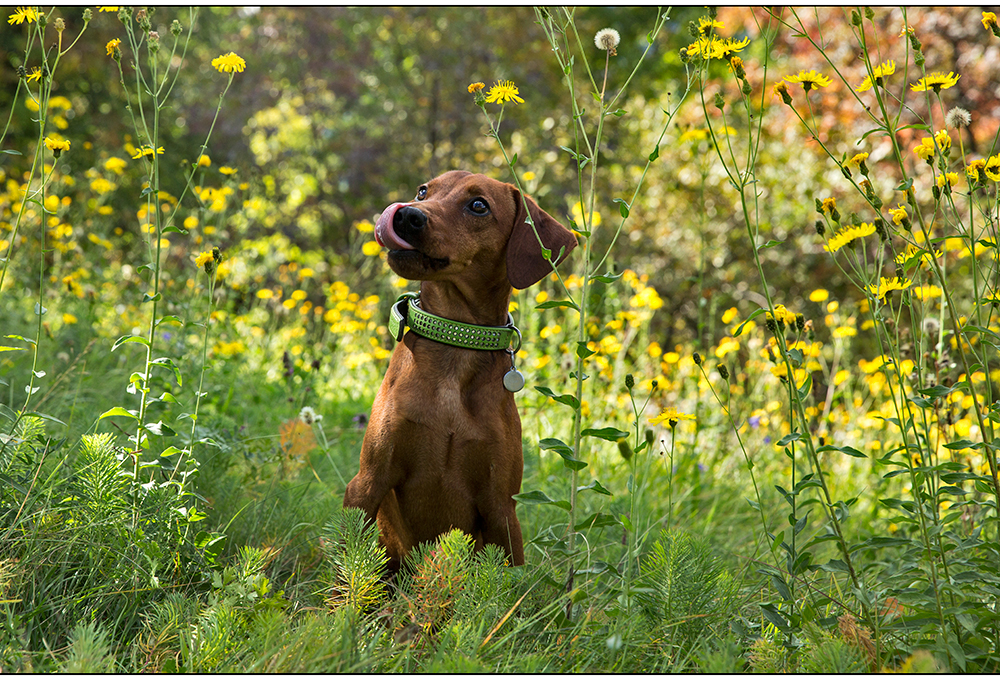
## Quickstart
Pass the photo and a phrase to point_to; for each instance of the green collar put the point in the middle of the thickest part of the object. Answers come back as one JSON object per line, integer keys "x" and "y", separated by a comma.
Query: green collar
{"x": 406, "y": 311}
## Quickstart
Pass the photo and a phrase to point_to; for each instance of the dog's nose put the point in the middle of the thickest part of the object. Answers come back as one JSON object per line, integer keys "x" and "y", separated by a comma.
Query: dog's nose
{"x": 409, "y": 222}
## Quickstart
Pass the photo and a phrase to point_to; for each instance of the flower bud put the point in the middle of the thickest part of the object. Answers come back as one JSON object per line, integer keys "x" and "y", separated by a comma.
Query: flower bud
{"x": 724, "y": 372}
{"x": 629, "y": 381}
{"x": 820, "y": 227}
{"x": 747, "y": 89}
{"x": 697, "y": 359}
{"x": 59, "y": 24}
{"x": 720, "y": 103}
{"x": 176, "y": 28}
{"x": 855, "y": 18}
{"x": 625, "y": 449}
{"x": 869, "y": 13}
{"x": 650, "y": 437}
{"x": 87, "y": 15}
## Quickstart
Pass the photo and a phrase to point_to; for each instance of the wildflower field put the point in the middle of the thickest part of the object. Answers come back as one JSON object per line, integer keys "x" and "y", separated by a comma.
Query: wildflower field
{"x": 762, "y": 400}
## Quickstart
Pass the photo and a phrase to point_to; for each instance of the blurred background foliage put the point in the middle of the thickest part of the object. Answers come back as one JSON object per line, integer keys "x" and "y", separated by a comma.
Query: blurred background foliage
{"x": 344, "y": 110}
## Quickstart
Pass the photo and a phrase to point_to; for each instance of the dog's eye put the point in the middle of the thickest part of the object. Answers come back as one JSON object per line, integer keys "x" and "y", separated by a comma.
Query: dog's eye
{"x": 479, "y": 207}
{"x": 421, "y": 193}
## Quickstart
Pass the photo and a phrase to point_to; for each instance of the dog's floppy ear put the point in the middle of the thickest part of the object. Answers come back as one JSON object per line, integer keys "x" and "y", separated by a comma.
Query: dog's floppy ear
{"x": 525, "y": 264}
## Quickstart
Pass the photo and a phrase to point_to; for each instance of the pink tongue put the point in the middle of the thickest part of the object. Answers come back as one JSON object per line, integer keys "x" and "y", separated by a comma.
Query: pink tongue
{"x": 385, "y": 235}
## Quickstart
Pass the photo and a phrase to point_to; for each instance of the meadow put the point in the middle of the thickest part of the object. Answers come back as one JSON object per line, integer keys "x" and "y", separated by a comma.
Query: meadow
{"x": 760, "y": 414}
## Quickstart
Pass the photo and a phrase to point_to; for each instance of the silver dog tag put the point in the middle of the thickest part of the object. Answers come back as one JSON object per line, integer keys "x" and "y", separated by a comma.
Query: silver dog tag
{"x": 513, "y": 381}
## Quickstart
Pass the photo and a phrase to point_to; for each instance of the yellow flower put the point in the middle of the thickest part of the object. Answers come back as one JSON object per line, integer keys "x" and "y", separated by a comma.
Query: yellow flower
{"x": 204, "y": 258}
{"x": 809, "y": 80}
{"x": 68, "y": 318}
{"x": 729, "y": 315}
{"x": 364, "y": 226}
{"x": 724, "y": 49}
{"x": 226, "y": 170}
{"x": 115, "y": 164}
{"x": 476, "y": 87}
{"x": 886, "y": 69}
{"x": 23, "y": 14}
{"x": 886, "y": 286}
{"x": 898, "y": 213}
{"x": 36, "y": 74}
{"x": 846, "y": 235}
{"x": 990, "y": 21}
{"x": 204, "y": 161}
{"x": 265, "y": 293}
{"x": 936, "y": 82}
{"x": 370, "y": 248}
{"x": 943, "y": 140}
{"x": 949, "y": 178}
{"x": 707, "y": 25}
{"x": 992, "y": 168}
{"x": 56, "y": 146}
{"x": 925, "y": 149}
{"x": 228, "y": 63}
{"x": 783, "y": 315}
{"x": 819, "y": 295}
{"x": 671, "y": 417}
{"x": 503, "y": 91}
{"x": 146, "y": 150}
{"x": 112, "y": 46}
{"x": 973, "y": 168}
{"x": 107, "y": 8}
{"x": 857, "y": 159}
{"x": 780, "y": 89}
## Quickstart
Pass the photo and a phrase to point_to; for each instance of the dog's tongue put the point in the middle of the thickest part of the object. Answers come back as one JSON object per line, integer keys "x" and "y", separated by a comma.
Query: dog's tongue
{"x": 385, "y": 235}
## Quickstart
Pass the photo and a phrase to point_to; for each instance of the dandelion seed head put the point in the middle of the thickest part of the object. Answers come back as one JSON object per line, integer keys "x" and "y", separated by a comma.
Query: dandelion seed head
{"x": 958, "y": 118}
{"x": 607, "y": 39}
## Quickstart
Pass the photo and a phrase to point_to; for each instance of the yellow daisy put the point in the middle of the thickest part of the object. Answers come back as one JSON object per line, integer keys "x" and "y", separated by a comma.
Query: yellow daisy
{"x": 809, "y": 80}
{"x": 504, "y": 91}
{"x": 228, "y": 63}
{"x": 936, "y": 82}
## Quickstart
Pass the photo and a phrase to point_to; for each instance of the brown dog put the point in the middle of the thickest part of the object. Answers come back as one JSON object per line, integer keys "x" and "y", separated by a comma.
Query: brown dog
{"x": 443, "y": 445}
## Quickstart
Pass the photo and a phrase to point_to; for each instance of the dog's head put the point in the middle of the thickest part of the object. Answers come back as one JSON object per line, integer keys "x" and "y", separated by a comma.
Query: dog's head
{"x": 466, "y": 225}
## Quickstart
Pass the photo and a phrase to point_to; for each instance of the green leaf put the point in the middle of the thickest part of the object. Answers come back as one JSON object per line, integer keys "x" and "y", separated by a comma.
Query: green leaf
{"x": 789, "y": 438}
{"x": 169, "y": 363}
{"x": 567, "y": 399}
{"x": 118, "y": 411}
{"x": 12, "y": 349}
{"x": 174, "y": 228}
{"x": 563, "y": 450}
{"x": 18, "y": 337}
{"x": 539, "y": 498}
{"x": 146, "y": 297}
{"x": 622, "y": 207}
{"x": 129, "y": 338}
{"x": 13, "y": 152}
{"x": 159, "y": 429}
{"x": 849, "y": 450}
{"x": 596, "y": 487}
{"x": 779, "y": 584}
{"x": 583, "y": 351}
{"x": 611, "y": 434}
{"x": 606, "y": 278}
{"x": 656, "y": 154}
{"x": 770, "y": 244}
{"x": 549, "y": 304}
{"x": 597, "y": 521}
{"x": 739, "y": 329}
{"x": 771, "y": 614}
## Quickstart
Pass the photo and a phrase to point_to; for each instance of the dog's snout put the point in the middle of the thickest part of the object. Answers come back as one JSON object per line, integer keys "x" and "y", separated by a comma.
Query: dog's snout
{"x": 409, "y": 221}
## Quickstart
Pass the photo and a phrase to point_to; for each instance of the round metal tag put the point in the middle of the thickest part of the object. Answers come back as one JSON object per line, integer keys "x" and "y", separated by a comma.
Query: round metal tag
{"x": 513, "y": 381}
